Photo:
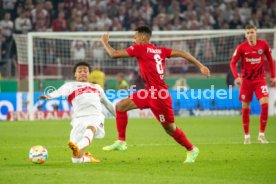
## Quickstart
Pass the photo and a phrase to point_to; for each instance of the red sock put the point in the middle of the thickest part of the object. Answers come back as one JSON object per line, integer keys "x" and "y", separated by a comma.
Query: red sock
{"x": 263, "y": 117}
{"x": 245, "y": 120}
{"x": 181, "y": 138}
{"x": 121, "y": 123}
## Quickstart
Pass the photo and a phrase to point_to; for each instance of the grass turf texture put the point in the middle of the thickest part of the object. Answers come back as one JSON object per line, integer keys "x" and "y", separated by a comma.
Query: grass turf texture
{"x": 152, "y": 156}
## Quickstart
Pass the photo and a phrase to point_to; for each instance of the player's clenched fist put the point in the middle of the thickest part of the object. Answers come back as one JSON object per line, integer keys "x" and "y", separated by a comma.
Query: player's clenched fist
{"x": 205, "y": 71}
{"x": 105, "y": 38}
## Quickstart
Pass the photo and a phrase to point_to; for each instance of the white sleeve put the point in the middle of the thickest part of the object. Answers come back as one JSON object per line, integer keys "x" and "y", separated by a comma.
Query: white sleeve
{"x": 63, "y": 91}
{"x": 104, "y": 100}
{"x": 17, "y": 25}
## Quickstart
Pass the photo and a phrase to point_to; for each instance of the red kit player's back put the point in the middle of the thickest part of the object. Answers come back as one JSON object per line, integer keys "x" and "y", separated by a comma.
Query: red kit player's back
{"x": 151, "y": 61}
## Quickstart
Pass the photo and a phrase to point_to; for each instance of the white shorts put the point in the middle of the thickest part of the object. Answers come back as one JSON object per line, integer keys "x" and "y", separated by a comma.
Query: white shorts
{"x": 81, "y": 123}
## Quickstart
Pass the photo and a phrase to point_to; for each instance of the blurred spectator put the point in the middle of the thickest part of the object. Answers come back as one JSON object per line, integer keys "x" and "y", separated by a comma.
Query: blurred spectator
{"x": 205, "y": 50}
{"x": 48, "y": 5}
{"x": 103, "y": 21}
{"x": 230, "y": 80}
{"x": 28, "y": 5}
{"x": 90, "y": 21}
{"x": 181, "y": 84}
{"x": 3, "y": 54}
{"x": 59, "y": 24}
{"x": 6, "y": 25}
{"x": 40, "y": 17}
{"x": 97, "y": 76}
{"x": 61, "y": 8}
{"x": 9, "y": 6}
{"x": 78, "y": 50}
{"x": 96, "y": 52}
{"x": 3, "y": 47}
{"x": 135, "y": 80}
{"x": 78, "y": 23}
{"x": 121, "y": 82}
{"x": 23, "y": 23}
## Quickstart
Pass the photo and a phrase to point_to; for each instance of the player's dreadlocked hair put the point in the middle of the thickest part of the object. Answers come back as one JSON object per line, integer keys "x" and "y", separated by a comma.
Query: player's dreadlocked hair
{"x": 144, "y": 29}
{"x": 82, "y": 63}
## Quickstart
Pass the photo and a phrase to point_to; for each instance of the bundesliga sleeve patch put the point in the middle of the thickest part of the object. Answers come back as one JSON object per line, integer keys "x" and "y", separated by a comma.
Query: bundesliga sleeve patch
{"x": 235, "y": 53}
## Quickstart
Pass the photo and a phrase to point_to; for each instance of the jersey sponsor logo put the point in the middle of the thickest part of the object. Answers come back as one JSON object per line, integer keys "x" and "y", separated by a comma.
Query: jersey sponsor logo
{"x": 247, "y": 53}
{"x": 80, "y": 91}
{"x": 253, "y": 60}
{"x": 260, "y": 51}
{"x": 154, "y": 51}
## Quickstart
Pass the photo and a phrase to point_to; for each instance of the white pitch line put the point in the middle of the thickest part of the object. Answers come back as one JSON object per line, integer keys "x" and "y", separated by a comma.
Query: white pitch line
{"x": 232, "y": 143}
{"x": 151, "y": 145}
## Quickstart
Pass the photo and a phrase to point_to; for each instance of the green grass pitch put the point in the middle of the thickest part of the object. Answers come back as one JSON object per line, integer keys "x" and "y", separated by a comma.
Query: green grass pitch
{"x": 152, "y": 156}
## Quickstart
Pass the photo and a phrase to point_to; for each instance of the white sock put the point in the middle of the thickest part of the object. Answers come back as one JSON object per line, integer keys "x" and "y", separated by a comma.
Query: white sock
{"x": 76, "y": 160}
{"x": 86, "y": 140}
{"x": 80, "y": 160}
{"x": 261, "y": 134}
{"x": 247, "y": 136}
{"x": 85, "y": 159}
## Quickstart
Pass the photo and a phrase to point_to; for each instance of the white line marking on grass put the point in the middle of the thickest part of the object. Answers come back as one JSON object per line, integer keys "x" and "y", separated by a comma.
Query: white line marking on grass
{"x": 222, "y": 143}
{"x": 146, "y": 145}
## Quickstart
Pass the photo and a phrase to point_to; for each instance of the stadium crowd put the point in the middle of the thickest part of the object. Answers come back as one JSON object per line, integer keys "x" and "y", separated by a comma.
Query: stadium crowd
{"x": 22, "y": 16}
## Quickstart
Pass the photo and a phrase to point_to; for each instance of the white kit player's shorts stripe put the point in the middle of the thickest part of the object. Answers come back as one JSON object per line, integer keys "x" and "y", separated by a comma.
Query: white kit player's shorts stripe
{"x": 81, "y": 123}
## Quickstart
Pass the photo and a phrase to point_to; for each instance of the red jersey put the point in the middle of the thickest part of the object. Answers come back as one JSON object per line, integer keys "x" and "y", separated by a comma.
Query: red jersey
{"x": 151, "y": 61}
{"x": 252, "y": 60}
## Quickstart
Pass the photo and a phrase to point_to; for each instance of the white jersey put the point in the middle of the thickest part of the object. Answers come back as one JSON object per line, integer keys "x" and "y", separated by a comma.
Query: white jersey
{"x": 85, "y": 98}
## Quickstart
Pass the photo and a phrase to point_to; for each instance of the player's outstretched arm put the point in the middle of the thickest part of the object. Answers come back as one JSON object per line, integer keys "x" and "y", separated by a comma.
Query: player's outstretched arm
{"x": 108, "y": 105}
{"x": 111, "y": 51}
{"x": 203, "y": 69}
{"x": 104, "y": 100}
{"x": 56, "y": 93}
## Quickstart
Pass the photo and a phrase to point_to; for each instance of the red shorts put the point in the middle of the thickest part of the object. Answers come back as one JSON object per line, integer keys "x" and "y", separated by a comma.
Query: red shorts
{"x": 248, "y": 87}
{"x": 159, "y": 102}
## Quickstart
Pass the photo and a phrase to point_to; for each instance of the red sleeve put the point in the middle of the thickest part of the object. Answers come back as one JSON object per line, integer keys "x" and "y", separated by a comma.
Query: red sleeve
{"x": 233, "y": 63}
{"x": 271, "y": 63}
{"x": 167, "y": 52}
{"x": 133, "y": 50}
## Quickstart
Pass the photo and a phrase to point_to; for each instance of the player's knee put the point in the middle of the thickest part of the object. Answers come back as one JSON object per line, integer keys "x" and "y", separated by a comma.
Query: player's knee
{"x": 245, "y": 105}
{"x": 120, "y": 107}
{"x": 169, "y": 128}
{"x": 264, "y": 100}
{"x": 92, "y": 128}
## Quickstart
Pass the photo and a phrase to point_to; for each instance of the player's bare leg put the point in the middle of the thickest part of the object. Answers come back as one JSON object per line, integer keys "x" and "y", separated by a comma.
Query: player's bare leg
{"x": 79, "y": 154}
{"x": 245, "y": 121}
{"x": 263, "y": 119}
{"x": 180, "y": 137}
{"x": 121, "y": 122}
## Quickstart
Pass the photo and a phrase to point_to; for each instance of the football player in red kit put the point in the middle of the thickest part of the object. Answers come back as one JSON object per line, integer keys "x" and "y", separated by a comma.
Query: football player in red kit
{"x": 151, "y": 61}
{"x": 252, "y": 79}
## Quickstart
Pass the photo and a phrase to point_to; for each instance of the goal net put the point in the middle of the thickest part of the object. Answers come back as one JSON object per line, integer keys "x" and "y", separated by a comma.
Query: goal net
{"x": 52, "y": 55}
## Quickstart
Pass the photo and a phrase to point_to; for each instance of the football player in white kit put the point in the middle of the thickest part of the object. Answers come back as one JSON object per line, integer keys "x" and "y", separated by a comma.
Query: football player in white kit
{"x": 88, "y": 120}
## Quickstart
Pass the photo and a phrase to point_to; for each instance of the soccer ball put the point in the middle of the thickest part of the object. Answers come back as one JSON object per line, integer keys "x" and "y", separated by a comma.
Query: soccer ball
{"x": 38, "y": 154}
